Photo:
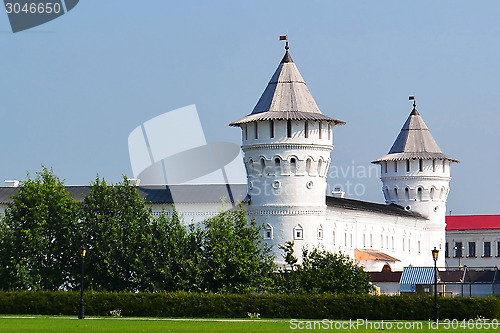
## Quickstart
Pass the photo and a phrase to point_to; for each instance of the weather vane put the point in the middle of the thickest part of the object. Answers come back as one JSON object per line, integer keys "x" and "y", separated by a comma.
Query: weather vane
{"x": 285, "y": 37}
{"x": 412, "y": 98}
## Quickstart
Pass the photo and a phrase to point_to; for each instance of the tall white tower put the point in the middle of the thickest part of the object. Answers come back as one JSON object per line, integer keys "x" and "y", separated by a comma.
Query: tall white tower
{"x": 287, "y": 142}
{"x": 416, "y": 175}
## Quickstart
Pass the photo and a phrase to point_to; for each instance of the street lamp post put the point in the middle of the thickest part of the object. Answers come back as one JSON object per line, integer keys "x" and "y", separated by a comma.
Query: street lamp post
{"x": 435, "y": 254}
{"x": 81, "y": 311}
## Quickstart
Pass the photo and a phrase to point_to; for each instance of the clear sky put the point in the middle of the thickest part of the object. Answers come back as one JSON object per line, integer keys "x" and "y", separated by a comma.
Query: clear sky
{"x": 73, "y": 89}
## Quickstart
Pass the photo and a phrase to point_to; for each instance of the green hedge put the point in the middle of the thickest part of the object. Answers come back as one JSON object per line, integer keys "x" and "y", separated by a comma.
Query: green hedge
{"x": 237, "y": 306}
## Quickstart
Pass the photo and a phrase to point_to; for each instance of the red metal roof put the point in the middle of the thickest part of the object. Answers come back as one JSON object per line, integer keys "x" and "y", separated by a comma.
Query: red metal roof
{"x": 472, "y": 222}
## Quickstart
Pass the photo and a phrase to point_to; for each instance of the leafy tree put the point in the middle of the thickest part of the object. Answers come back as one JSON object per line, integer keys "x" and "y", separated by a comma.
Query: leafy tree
{"x": 235, "y": 259}
{"x": 40, "y": 236}
{"x": 117, "y": 232}
{"x": 321, "y": 272}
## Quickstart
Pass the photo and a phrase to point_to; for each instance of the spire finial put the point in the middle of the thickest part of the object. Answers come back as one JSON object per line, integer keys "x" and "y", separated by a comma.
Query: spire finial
{"x": 412, "y": 98}
{"x": 285, "y": 37}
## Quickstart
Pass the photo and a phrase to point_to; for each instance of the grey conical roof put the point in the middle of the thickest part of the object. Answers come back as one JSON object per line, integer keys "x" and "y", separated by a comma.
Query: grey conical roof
{"x": 286, "y": 97}
{"x": 414, "y": 141}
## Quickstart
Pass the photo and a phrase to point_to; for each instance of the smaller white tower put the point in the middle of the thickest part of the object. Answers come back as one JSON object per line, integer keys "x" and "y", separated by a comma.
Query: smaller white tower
{"x": 416, "y": 175}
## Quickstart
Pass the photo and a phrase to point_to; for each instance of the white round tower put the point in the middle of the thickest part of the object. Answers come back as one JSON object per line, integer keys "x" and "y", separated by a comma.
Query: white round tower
{"x": 287, "y": 142}
{"x": 416, "y": 175}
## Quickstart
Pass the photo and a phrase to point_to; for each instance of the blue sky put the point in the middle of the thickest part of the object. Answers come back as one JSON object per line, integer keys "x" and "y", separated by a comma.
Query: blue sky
{"x": 73, "y": 89}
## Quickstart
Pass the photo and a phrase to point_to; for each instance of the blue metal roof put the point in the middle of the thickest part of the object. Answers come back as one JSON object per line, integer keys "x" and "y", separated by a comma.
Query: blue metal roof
{"x": 417, "y": 275}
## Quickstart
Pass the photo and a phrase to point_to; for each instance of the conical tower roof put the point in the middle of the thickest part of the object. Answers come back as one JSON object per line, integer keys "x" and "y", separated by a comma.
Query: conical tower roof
{"x": 286, "y": 97}
{"x": 415, "y": 141}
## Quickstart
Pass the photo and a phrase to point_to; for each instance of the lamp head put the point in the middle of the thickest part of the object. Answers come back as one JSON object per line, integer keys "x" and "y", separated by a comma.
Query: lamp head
{"x": 435, "y": 254}
{"x": 84, "y": 252}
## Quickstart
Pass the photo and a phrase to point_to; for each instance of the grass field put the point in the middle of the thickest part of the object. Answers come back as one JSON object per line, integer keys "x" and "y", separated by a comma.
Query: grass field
{"x": 42, "y": 324}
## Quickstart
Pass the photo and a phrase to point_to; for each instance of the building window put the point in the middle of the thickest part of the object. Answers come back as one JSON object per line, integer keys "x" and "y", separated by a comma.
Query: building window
{"x": 246, "y": 132}
{"x": 392, "y": 242}
{"x": 320, "y": 130}
{"x": 381, "y": 242}
{"x": 364, "y": 241}
{"x": 320, "y": 232}
{"x": 371, "y": 240}
{"x": 320, "y": 165}
{"x": 306, "y": 129}
{"x": 444, "y": 165}
{"x": 407, "y": 165}
{"x": 289, "y": 128}
{"x": 308, "y": 166}
{"x": 256, "y": 130}
{"x": 446, "y": 253}
{"x": 298, "y": 232}
{"x": 407, "y": 193}
{"x": 487, "y": 249}
{"x": 420, "y": 165}
{"x": 418, "y": 246}
{"x": 271, "y": 128}
{"x": 498, "y": 249}
{"x": 433, "y": 165}
{"x": 458, "y": 249}
{"x": 268, "y": 232}
{"x": 385, "y": 166}
{"x": 277, "y": 166}
{"x": 345, "y": 239}
{"x": 329, "y": 131}
{"x": 472, "y": 249}
{"x": 386, "y": 242}
{"x": 334, "y": 239}
{"x": 293, "y": 166}
{"x": 262, "y": 165}
{"x": 419, "y": 194}
{"x": 403, "y": 244}
{"x": 351, "y": 239}
{"x": 409, "y": 244}
{"x": 395, "y": 166}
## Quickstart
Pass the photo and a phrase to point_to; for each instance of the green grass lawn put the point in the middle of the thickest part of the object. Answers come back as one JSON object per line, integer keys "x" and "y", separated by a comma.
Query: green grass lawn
{"x": 41, "y": 324}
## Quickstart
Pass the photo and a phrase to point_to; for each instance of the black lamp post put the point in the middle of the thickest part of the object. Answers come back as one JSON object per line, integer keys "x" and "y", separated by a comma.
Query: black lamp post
{"x": 435, "y": 254}
{"x": 81, "y": 311}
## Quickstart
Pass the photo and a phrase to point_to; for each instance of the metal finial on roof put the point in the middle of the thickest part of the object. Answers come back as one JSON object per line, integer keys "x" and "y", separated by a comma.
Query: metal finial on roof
{"x": 414, "y": 111}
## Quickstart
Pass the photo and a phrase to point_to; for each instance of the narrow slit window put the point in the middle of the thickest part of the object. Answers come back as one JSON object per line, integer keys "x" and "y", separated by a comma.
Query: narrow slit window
{"x": 320, "y": 131}
{"x": 271, "y": 128}
{"x": 407, "y": 165}
{"x": 246, "y": 132}
{"x": 256, "y": 130}
{"x": 289, "y": 128}
{"x": 306, "y": 129}
{"x": 433, "y": 165}
{"x": 395, "y": 166}
{"x": 420, "y": 165}
{"x": 329, "y": 131}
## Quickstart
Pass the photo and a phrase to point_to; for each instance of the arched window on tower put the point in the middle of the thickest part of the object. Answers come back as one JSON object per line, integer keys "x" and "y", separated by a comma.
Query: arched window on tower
{"x": 432, "y": 193}
{"x": 251, "y": 170}
{"x": 268, "y": 232}
{"x": 407, "y": 193}
{"x": 320, "y": 232}
{"x": 277, "y": 166}
{"x": 396, "y": 194}
{"x": 262, "y": 165}
{"x": 419, "y": 194}
{"x": 308, "y": 166}
{"x": 293, "y": 165}
{"x": 320, "y": 165}
{"x": 298, "y": 232}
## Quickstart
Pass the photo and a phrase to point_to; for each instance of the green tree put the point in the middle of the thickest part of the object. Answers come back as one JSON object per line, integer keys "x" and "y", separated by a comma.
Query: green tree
{"x": 117, "y": 233}
{"x": 235, "y": 259}
{"x": 40, "y": 236}
{"x": 321, "y": 272}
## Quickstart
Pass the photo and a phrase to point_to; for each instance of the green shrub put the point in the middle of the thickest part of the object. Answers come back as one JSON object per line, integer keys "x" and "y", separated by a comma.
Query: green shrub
{"x": 182, "y": 304}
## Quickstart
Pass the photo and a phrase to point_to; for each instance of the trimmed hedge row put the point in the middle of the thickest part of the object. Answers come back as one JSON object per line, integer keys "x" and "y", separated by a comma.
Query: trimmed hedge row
{"x": 237, "y": 306}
